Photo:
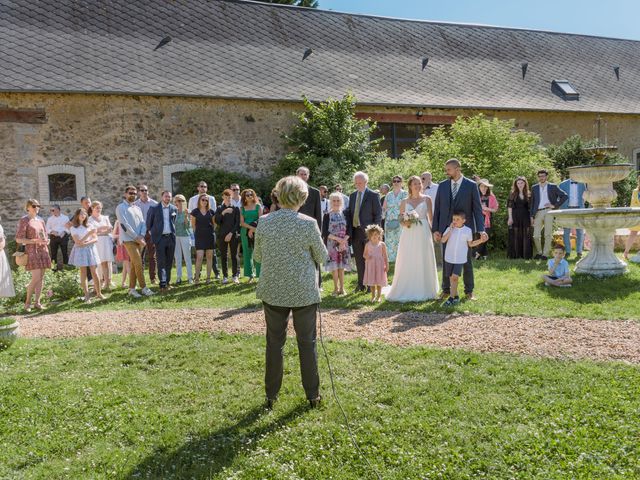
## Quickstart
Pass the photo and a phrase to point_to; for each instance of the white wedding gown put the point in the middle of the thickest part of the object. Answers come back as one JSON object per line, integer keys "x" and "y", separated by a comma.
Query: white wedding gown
{"x": 416, "y": 275}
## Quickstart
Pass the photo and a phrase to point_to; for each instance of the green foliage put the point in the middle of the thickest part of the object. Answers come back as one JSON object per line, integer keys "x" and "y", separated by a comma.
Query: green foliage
{"x": 190, "y": 406}
{"x": 58, "y": 286}
{"x": 329, "y": 140}
{"x": 7, "y": 321}
{"x": 489, "y": 148}
{"x": 570, "y": 153}
{"x": 218, "y": 180}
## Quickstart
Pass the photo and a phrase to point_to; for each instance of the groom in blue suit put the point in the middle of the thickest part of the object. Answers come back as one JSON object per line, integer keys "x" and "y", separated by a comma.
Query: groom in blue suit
{"x": 575, "y": 192}
{"x": 458, "y": 194}
{"x": 161, "y": 223}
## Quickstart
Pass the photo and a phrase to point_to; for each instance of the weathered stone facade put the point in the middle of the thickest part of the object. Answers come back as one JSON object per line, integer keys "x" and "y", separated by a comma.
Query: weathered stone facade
{"x": 109, "y": 141}
{"x": 113, "y": 140}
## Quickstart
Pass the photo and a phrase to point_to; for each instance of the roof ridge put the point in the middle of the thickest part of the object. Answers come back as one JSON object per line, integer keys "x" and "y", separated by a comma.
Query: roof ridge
{"x": 419, "y": 20}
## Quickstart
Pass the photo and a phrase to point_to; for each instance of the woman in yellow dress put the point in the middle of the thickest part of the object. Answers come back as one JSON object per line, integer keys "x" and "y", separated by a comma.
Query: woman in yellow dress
{"x": 633, "y": 232}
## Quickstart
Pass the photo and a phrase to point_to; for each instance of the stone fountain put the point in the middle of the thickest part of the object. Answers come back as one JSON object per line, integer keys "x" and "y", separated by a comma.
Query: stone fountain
{"x": 601, "y": 220}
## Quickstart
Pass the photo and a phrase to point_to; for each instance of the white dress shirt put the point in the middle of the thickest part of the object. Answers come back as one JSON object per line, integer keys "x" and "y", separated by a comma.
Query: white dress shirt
{"x": 431, "y": 192}
{"x": 166, "y": 217}
{"x": 574, "y": 201}
{"x": 457, "y": 245}
{"x": 193, "y": 203}
{"x": 544, "y": 196}
{"x": 324, "y": 205}
{"x": 236, "y": 202}
{"x": 57, "y": 224}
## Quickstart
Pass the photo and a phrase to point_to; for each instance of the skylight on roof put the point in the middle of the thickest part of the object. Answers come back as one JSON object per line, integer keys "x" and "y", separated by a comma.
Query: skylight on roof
{"x": 565, "y": 89}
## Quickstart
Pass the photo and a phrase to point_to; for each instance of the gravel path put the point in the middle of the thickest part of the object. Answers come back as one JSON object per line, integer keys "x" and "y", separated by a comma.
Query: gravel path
{"x": 555, "y": 338}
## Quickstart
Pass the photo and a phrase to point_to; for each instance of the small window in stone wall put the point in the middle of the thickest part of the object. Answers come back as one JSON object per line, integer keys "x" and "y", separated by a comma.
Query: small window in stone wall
{"x": 175, "y": 183}
{"x": 62, "y": 187}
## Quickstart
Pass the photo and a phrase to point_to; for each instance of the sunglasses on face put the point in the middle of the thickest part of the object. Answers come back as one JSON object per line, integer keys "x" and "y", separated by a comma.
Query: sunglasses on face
{"x": 397, "y": 181}
{"x": 141, "y": 191}
{"x": 202, "y": 186}
{"x": 235, "y": 189}
{"x": 180, "y": 201}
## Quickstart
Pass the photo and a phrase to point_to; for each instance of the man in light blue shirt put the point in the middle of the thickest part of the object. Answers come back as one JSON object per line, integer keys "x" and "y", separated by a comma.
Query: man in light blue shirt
{"x": 145, "y": 202}
{"x": 133, "y": 229}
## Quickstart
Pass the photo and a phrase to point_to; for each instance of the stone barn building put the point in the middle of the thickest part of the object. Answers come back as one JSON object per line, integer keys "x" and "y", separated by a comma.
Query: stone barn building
{"x": 97, "y": 94}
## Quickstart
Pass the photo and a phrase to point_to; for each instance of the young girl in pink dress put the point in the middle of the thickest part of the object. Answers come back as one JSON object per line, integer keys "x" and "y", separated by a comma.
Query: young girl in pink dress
{"x": 376, "y": 262}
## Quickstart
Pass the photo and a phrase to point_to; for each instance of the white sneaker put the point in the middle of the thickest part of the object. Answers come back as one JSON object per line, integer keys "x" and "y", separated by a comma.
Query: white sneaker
{"x": 147, "y": 292}
{"x": 225, "y": 280}
{"x": 236, "y": 279}
{"x": 134, "y": 293}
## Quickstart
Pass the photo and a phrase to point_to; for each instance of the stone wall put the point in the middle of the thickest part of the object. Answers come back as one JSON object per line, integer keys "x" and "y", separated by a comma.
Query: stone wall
{"x": 109, "y": 141}
{"x": 114, "y": 140}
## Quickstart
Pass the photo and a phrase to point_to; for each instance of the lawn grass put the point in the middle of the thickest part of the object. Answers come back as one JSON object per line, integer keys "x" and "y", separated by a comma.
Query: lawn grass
{"x": 503, "y": 286}
{"x": 190, "y": 406}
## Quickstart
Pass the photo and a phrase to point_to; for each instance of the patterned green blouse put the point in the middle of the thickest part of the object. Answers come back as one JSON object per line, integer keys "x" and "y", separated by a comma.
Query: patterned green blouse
{"x": 288, "y": 245}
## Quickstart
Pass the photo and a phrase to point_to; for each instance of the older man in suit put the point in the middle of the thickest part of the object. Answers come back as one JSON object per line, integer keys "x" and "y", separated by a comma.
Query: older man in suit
{"x": 458, "y": 194}
{"x": 574, "y": 191}
{"x": 161, "y": 224}
{"x": 313, "y": 205}
{"x": 545, "y": 197}
{"x": 364, "y": 209}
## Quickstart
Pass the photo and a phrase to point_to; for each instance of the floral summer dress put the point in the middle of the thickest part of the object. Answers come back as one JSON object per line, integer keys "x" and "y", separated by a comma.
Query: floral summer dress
{"x": 337, "y": 259}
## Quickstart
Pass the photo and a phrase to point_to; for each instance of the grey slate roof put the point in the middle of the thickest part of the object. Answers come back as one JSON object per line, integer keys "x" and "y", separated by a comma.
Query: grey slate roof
{"x": 240, "y": 49}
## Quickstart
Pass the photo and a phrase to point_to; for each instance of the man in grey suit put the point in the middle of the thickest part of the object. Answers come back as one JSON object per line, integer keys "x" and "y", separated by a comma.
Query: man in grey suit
{"x": 458, "y": 194}
{"x": 364, "y": 209}
{"x": 545, "y": 197}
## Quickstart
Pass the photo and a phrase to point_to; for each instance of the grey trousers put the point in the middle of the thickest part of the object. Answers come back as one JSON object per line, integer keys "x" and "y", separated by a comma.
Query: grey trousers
{"x": 304, "y": 323}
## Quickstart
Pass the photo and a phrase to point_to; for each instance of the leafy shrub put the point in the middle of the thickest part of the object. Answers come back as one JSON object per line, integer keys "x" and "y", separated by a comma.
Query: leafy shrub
{"x": 329, "y": 140}
{"x": 218, "y": 180}
{"x": 58, "y": 286}
{"x": 7, "y": 321}
{"x": 489, "y": 148}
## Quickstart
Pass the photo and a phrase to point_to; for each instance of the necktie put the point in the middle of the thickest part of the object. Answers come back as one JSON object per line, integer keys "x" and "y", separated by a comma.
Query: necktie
{"x": 356, "y": 211}
{"x": 454, "y": 190}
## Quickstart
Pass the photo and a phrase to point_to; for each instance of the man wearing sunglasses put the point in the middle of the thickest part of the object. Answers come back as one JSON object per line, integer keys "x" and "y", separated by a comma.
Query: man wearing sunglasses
{"x": 145, "y": 202}
{"x": 193, "y": 201}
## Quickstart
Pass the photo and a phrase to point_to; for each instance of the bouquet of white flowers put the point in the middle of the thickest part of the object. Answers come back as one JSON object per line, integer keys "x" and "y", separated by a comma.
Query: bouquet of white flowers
{"x": 411, "y": 218}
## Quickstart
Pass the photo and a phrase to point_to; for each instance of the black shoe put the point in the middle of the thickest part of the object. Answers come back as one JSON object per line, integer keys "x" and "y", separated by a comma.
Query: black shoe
{"x": 368, "y": 289}
{"x": 315, "y": 402}
{"x": 537, "y": 257}
{"x": 578, "y": 256}
{"x": 358, "y": 290}
{"x": 544, "y": 258}
{"x": 269, "y": 403}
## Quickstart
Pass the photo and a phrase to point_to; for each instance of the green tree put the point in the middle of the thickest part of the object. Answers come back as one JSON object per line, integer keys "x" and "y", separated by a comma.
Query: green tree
{"x": 297, "y": 3}
{"x": 570, "y": 153}
{"x": 488, "y": 148}
{"x": 329, "y": 140}
{"x": 218, "y": 180}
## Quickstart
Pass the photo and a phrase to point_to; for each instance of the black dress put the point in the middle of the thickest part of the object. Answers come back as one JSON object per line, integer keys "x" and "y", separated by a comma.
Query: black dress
{"x": 204, "y": 234}
{"x": 520, "y": 233}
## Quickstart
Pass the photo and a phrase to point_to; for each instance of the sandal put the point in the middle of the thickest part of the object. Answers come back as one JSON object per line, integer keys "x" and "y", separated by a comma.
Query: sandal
{"x": 38, "y": 306}
{"x": 27, "y": 308}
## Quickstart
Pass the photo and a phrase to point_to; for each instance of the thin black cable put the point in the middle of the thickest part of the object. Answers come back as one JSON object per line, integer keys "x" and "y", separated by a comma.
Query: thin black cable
{"x": 344, "y": 414}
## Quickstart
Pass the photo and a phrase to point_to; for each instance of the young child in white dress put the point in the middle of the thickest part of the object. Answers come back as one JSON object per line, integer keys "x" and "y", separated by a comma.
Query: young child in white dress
{"x": 84, "y": 254}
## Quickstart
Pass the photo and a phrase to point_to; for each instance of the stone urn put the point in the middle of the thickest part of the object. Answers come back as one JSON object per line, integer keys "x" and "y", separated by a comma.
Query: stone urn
{"x": 601, "y": 221}
{"x": 8, "y": 332}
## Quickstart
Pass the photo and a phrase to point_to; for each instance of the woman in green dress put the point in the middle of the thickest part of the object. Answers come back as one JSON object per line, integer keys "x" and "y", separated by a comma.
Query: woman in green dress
{"x": 391, "y": 211}
{"x": 250, "y": 212}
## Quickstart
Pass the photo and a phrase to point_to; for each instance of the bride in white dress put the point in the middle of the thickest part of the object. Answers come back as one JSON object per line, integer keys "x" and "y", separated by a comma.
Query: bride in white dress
{"x": 416, "y": 275}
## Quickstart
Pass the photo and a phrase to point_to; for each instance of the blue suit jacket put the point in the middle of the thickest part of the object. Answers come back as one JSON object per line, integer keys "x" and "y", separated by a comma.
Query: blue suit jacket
{"x": 556, "y": 197}
{"x": 370, "y": 210}
{"x": 467, "y": 200}
{"x": 566, "y": 188}
{"x": 155, "y": 221}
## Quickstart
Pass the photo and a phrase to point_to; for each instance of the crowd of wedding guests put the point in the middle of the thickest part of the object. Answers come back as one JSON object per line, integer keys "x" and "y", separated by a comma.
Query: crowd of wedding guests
{"x": 363, "y": 228}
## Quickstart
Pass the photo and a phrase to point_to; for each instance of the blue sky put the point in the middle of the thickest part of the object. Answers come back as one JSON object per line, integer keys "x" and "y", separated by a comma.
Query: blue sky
{"x": 609, "y": 18}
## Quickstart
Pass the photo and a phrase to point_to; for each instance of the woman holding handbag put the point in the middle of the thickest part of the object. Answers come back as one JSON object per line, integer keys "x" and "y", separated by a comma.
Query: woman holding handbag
{"x": 391, "y": 212}
{"x": 32, "y": 233}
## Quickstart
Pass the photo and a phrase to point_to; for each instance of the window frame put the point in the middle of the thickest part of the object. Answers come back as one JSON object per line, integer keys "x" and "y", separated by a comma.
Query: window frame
{"x": 43, "y": 184}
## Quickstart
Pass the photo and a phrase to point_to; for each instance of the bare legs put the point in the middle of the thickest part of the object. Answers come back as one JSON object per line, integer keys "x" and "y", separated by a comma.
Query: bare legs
{"x": 96, "y": 282}
{"x": 630, "y": 239}
{"x": 338, "y": 281}
{"x": 126, "y": 268}
{"x": 35, "y": 288}
{"x": 106, "y": 275}
{"x": 375, "y": 292}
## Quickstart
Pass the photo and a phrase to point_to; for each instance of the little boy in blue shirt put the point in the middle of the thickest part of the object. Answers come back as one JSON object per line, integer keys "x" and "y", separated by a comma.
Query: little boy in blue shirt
{"x": 558, "y": 274}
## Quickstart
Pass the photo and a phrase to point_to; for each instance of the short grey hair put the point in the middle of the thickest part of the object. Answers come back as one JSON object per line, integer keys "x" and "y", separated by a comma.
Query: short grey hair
{"x": 337, "y": 196}
{"x": 291, "y": 192}
{"x": 361, "y": 175}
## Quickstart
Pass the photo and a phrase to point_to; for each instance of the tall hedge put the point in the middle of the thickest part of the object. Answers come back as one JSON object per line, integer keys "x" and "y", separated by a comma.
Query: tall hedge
{"x": 218, "y": 180}
{"x": 487, "y": 147}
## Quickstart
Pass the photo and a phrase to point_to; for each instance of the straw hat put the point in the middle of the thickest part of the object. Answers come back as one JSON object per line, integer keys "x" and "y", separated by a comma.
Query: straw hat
{"x": 485, "y": 182}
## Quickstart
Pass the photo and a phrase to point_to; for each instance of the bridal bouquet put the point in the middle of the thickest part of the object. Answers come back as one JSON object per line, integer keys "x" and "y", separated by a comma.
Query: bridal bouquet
{"x": 411, "y": 218}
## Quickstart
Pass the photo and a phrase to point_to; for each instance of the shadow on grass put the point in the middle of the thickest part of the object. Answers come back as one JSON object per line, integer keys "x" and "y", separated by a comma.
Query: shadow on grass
{"x": 403, "y": 322}
{"x": 591, "y": 290}
{"x": 205, "y": 456}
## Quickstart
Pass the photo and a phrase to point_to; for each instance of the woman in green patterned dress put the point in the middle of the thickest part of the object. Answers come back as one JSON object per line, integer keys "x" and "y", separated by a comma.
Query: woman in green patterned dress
{"x": 391, "y": 211}
{"x": 250, "y": 212}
